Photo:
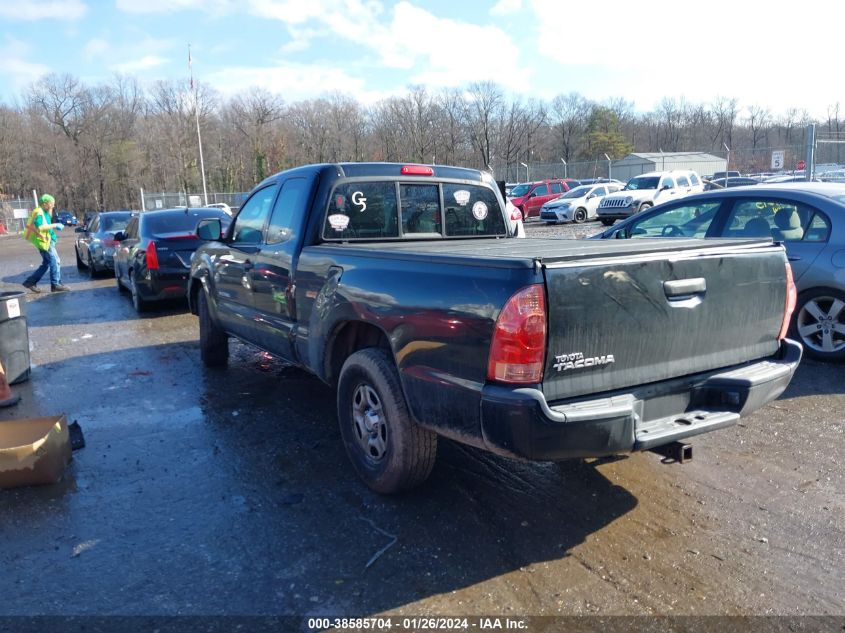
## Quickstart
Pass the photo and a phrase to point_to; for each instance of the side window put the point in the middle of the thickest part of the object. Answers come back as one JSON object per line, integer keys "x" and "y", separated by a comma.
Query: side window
{"x": 420, "y": 208}
{"x": 682, "y": 181}
{"x": 249, "y": 223}
{"x": 600, "y": 191}
{"x": 557, "y": 187}
{"x": 364, "y": 210}
{"x": 694, "y": 179}
{"x": 542, "y": 190}
{"x": 132, "y": 229}
{"x": 667, "y": 182}
{"x": 95, "y": 225}
{"x": 684, "y": 220}
{"x": 290, "y": 202}
{"x": 782, "y": 220}
{"x": 819, "y": 229}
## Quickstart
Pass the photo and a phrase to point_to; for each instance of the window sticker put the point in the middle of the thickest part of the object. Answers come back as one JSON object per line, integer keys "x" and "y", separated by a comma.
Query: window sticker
{"x": 359, "y": 200}
{"x": 479, "y": 210}
{"x": 338, "y": 221}
{"x": 462, "y": 197}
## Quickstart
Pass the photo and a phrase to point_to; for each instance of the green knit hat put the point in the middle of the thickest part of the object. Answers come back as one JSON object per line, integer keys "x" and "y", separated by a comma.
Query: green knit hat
{"x": 46, "y": 198}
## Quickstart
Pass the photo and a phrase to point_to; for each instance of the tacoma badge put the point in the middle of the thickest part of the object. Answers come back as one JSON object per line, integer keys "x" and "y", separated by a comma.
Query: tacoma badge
{"x": 565, "y": 362}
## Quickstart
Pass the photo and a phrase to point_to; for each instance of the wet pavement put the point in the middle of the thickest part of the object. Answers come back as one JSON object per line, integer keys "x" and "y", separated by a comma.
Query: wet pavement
{"x": 228, "y": 492}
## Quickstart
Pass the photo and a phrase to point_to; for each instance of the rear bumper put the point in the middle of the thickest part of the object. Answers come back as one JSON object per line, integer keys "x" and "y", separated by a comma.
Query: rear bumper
{"x": 518, "y": 422}
{"x": 164, "y": 285}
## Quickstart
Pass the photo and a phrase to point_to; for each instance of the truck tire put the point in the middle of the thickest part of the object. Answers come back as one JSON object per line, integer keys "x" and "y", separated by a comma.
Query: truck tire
{"x": 214, "y": 342}
{"x": 386, "y": 447}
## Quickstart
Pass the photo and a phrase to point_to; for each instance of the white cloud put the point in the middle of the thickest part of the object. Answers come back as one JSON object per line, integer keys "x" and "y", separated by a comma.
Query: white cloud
{"x": 144, "y": 63}
{"x": 505, "y": 7}
{"x": 95, "y": 48}
{"x": 172, "y": 6}
{"x": 17, "y": 72}
{"x": 39, "y": 10}
{"x": 293, "y": 82}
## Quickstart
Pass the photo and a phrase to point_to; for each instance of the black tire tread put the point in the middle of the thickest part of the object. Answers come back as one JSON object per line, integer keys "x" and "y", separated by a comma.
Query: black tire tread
{"x": 214, "y": 344}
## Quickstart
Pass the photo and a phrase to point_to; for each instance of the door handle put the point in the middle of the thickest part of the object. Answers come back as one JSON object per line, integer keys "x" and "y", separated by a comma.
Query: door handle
{"x": 683, "y": 288}
{"x": 794, "y": 258}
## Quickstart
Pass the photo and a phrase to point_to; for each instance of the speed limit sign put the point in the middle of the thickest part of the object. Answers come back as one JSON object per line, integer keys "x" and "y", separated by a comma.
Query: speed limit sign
{"x": 777, "y": 159}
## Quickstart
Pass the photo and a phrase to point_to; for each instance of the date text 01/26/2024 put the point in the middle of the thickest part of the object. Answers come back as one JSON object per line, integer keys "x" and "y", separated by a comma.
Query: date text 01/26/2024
{"x": 417, "y": 624}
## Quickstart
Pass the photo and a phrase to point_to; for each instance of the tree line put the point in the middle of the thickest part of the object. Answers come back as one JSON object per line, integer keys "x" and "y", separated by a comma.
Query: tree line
{"x": 95, "y": 146}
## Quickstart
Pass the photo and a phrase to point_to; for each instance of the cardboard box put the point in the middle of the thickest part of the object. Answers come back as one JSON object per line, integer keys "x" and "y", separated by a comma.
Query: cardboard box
{"x": 33, "y": 451}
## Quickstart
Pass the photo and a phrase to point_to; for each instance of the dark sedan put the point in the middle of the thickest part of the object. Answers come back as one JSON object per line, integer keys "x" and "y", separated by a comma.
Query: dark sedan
{"x": 808, "y": 218}
{"x": 95, "y": 242}
{"x": 153, "y": 257}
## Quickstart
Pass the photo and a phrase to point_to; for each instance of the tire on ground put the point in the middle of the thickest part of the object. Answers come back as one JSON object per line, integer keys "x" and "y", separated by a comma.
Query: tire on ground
{"x": 214, "y": 342}
{"x": 410, "y": 449}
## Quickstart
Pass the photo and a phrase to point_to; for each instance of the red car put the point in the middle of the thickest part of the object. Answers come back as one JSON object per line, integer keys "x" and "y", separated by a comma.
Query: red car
{"x": 528, "y": 197}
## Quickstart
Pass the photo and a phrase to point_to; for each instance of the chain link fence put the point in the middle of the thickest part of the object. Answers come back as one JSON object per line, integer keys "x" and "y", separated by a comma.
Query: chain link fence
{"x": 14, "y": 213}
{"x": 164, "y": 200}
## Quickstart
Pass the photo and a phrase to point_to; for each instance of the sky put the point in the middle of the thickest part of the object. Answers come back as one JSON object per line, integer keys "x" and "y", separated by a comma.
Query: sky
{"x": 770, "y": 54}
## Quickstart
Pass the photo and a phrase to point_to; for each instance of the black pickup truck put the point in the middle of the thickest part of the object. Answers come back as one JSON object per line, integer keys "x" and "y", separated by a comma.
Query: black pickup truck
{"x": 404, "y": 287}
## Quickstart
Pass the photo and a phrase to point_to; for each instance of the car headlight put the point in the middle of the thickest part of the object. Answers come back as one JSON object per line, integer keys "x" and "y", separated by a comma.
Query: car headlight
{"x": 628, "y": 201}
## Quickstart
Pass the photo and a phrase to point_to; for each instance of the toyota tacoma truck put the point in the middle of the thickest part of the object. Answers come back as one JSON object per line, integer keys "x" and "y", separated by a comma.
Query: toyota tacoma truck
{"x": 402, "y": 286}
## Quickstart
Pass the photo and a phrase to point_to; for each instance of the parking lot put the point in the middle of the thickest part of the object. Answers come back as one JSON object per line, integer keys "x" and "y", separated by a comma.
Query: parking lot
{"x": 228, "y": 492}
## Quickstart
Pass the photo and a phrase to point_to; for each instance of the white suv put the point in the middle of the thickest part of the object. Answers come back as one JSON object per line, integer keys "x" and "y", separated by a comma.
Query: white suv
{"x": 647, "y": 190}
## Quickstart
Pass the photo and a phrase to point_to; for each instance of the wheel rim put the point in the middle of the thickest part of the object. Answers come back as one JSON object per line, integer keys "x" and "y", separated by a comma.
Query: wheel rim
{"x": 369, "y": 424}
{"x": 133, "y": 288}
{"x": 580, "y": 215}
{"x": 820, "y": 324}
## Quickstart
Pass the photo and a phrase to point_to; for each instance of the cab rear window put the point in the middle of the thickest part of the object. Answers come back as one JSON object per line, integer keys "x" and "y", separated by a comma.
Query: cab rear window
{"x": 387, "y": 210}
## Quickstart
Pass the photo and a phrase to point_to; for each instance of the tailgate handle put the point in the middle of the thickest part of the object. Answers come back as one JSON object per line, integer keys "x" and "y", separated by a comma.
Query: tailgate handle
{"x": 683, "y": 288}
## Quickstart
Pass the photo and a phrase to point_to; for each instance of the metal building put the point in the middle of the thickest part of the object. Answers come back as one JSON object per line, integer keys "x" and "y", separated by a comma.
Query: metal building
{"x": 642, "y": 162}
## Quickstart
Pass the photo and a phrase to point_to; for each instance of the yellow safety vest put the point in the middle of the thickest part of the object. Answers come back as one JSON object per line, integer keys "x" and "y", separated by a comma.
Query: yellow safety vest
{"x": 41, "y": 239}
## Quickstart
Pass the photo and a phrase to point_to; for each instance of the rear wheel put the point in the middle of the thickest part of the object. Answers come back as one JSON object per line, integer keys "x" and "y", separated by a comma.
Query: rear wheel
{"x": 214, "y": 342}
{"x": 91, "y": 269}
{"x": 580, "y": 216}
{"x": 386, "y": 447}
{"x": 120, "y": 288}
{"x": 137, "y": 301}
{"x": 79, "y": 264}
{"x": 819, "y": 323}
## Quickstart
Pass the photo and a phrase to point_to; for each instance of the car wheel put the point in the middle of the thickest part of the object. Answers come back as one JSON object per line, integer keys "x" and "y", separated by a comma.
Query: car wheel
{"x": 91, "y": 269}
{"x": 79, "y": 264}
{"x": 214, "y": 342}
{"x": 386, "y": 447}
{"x": 137, "y": 301}
{"x": 607, "y": 221}
{"x": 580, "y": 216}
{"x": 819, "y": 323}
{"x": 120, "y": 288}
{"x": 644, "y": 206}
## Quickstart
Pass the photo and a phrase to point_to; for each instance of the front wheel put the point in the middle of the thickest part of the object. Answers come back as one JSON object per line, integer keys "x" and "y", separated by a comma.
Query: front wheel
{"x": 607, "y": 221}
{"x": 644, "y": 206}
{"x": 387, "y": 449}
{"x": 214, "y": 342}
{"x": 580, "y": 216}
{"x": 819, "y": 323}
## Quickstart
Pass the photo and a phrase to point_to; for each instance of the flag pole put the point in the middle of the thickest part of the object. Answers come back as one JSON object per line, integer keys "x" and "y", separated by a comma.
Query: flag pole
{"x": 199, "y": 136}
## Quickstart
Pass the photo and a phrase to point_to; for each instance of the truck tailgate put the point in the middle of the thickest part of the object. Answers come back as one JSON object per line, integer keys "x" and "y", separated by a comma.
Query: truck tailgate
{"x": 633, "y": 318}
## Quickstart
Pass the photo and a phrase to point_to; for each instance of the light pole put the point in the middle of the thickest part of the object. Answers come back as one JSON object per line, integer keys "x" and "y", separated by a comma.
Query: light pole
{"x": 526, "y": 171}
{"x": 565, "y": 175}
{"x": 608, "y": 166}
{"x": 727, "y": 161}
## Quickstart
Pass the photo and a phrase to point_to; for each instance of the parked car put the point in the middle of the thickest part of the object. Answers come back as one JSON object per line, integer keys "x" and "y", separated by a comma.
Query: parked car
{"x": 577, "y": 205}
{"x": 595, "y": 181}
{"x": 95, "y": 241}
{"x": 153, "y": 257}
{"x": 402, "y": 287}
{"x": 725, "y": 174}
{"x": 810, "y": 221}
{"x": 221, "y": 205}
{"x": 528, "y": 197}
{"x": 67, "y": 218}
{"x": 733, "y": 181}
{"x": 645, "y": 191}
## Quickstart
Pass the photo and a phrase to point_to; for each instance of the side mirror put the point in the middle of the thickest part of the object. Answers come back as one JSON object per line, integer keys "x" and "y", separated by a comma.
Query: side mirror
{"x": 665, "y": 188}
{"x": 119, "y": 236}
{"x": 209, "y": 229}
{"x": 592, "y": 195}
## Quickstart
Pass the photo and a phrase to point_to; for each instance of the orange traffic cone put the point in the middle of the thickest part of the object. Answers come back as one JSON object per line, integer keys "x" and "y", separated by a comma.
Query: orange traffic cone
{"x": 7, "y": 398}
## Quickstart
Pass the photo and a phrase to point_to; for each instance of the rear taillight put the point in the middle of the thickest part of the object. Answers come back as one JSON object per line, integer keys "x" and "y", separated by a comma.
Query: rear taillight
{"x": 516, "y": 215}
{"x": 152, "y": 257}
{"x": 518, "y": 349}
{"x": 791, "y": 300}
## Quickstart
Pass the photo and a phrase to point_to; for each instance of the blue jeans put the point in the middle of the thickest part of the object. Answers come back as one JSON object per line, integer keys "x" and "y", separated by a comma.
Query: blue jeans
{"x": 50, "y": 260}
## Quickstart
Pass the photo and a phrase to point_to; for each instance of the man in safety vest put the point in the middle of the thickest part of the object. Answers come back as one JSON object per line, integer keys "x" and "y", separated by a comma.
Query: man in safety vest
{"x": 41, "y": 232}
